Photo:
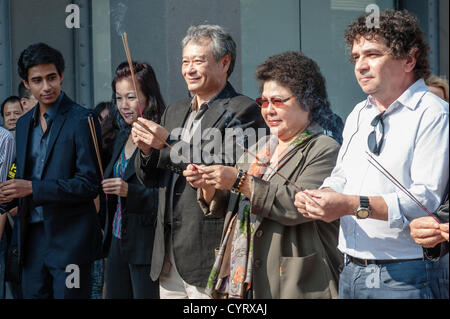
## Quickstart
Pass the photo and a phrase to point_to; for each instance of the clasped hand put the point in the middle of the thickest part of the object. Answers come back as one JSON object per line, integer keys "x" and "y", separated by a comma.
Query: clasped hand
{"x": 14, "y": 188}
{"x": 427, "y": 232}
{"x": 325, "y": 205}
{"x": 216, "y": 176}
{"x": 115, "y": 186}
{"x": 144, "y": 139}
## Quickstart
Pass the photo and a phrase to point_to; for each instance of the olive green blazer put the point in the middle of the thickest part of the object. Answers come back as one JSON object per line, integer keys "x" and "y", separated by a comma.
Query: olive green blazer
{"x": 294, "y": 256}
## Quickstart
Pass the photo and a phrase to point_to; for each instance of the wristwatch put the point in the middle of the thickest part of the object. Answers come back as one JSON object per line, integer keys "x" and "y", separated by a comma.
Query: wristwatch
{"x": 363, "y": 211}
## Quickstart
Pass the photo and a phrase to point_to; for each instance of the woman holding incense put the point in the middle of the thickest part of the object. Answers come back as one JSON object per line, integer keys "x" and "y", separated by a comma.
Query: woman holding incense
{"x": 132, "y": 206}
{"x": 268, "y": 249}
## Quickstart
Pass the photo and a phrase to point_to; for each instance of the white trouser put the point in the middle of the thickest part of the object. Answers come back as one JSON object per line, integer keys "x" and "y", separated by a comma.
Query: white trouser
{"x": 172, "y": 286}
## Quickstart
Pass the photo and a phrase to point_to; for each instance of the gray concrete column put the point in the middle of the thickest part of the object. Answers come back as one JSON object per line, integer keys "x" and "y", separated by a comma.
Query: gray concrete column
{"x": 5, "y": 50}
{"x": 101, "y": 48}
{"x": 433, "y": 35}
{"x": 83, "y": 56}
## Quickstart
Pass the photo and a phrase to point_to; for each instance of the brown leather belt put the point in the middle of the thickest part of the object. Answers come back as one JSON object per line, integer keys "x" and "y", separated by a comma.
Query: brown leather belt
{"x": 366, "y": 262}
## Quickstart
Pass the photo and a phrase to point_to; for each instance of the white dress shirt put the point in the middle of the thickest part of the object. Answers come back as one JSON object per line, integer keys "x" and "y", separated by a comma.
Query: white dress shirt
{"x": 415, "y": 151}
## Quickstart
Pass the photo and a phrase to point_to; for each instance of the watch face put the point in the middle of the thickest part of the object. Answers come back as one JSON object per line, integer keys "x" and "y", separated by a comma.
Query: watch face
{"x": 362, "y": 213}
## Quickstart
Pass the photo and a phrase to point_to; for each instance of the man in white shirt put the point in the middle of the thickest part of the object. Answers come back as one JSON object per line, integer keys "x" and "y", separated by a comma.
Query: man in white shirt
{"x": 406, "y": 129}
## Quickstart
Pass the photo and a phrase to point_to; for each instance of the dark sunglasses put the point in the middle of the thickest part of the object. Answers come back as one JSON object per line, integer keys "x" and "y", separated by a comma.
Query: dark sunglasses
{"x": 372, "y": 143}
{"x": 277, "y": 102}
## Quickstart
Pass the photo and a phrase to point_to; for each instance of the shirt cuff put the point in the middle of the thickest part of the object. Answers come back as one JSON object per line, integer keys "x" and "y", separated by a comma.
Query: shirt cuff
{"x": 201, "y": 202}
{"x": 329, "y": 183}
{"x": 218, "y": 204}
{"x": 395, "y": 216}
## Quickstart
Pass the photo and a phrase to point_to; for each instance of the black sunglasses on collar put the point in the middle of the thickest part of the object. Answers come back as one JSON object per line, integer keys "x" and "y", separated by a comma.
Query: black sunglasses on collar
{"x": 372, "y": 143}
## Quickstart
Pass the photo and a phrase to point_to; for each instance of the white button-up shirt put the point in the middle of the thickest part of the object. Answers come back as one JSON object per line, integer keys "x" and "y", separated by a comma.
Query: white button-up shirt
{"x": 415, "y": 151}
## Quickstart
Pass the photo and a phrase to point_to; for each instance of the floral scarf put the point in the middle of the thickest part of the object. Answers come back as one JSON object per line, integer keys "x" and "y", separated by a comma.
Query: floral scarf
{"x": 243, "y": 224}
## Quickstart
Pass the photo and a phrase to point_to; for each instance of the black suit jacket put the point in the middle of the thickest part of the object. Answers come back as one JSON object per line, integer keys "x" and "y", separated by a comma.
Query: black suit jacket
{"x": 138, "y": 210}
{"x": 194, "y": 235}
{"x": 69, "y": 183}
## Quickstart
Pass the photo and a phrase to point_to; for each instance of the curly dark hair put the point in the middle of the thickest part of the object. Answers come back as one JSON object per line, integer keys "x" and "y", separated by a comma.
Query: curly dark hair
{"x": 302, "y": 76}
{"x": 400, "y": 32}
{"x": 145, "y": 76}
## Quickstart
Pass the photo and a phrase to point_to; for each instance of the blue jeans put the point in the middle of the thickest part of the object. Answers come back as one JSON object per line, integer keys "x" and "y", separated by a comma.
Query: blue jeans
{"x": 439, "y": 278}
{"x": 399, "y": 280}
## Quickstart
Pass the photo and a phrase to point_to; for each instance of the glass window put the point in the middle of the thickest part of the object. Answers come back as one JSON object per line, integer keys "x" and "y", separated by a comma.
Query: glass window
{"x": 267, "y": 28}
{"x": 261, "y": 28}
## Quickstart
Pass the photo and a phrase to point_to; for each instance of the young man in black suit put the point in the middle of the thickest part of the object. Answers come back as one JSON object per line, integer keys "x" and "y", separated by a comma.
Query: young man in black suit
{"x": 56, "y": 182}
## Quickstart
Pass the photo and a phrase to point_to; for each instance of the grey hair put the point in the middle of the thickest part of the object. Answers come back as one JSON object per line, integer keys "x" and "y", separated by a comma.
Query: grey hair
{"x": 221, "y": 41}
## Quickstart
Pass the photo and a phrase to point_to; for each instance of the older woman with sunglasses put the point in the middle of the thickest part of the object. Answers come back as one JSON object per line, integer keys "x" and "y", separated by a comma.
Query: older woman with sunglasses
{"x": 268, "y": 249}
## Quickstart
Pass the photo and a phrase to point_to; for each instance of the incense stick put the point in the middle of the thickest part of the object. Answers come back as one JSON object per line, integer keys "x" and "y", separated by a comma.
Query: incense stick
{"x": 394, "y": 181}
{"x": 273, "y": 170}
{"x": 300, "y": 189}
{"x": 130, "y": 63}
{"x": 94, "y": 139}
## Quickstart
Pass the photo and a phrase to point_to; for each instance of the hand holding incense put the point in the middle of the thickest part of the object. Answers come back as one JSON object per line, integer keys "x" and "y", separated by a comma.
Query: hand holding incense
{"x": 165, "y": 143}
{"x": 265, "y": 164}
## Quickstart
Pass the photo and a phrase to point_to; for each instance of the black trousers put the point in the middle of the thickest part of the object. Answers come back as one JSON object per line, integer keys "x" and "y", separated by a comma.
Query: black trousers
{"x": 127, "y": 281}
{"x": 41, "y": 281}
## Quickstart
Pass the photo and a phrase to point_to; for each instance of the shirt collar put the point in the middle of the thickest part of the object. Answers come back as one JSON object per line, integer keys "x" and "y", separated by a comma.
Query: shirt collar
{"x": 410, "y": 98}
{"x": 226, "y": 92}
{"x": 51, "y": 113}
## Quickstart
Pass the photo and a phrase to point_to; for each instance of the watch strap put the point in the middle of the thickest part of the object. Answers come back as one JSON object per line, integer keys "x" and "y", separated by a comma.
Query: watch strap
{"x": 364, "y": 202}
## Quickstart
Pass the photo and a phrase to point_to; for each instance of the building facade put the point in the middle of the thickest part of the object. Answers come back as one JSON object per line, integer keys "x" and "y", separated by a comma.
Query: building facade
{"x": 88, "y": 35}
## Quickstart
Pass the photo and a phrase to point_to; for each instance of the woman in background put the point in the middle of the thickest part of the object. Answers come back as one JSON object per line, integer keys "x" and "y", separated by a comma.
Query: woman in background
{"x": 438, "y": 86}
{"x": 132, "y": 206}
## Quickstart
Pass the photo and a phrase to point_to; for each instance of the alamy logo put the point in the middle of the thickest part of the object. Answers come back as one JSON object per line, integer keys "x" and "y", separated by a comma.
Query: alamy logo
{"x": 214, "y": 147}
{"x": 373, "y": 19}
{"x": 73, "y": 19}
{"x": 73, "y": 279}
{"x": 373, "y": 279}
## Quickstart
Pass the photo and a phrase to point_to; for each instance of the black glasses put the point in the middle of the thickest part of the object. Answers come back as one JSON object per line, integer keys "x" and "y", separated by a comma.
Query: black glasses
{"x": 372, "y": 142}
